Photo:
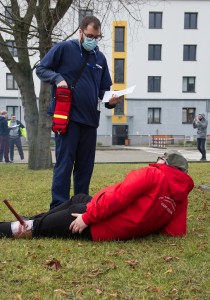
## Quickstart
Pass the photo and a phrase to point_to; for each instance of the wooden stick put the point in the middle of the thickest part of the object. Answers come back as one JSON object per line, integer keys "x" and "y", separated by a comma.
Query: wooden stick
{"x": 14, "y": 212}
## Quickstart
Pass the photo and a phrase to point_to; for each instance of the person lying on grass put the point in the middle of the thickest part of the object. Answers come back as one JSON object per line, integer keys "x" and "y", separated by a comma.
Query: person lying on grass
{"x": 149, "y": 200}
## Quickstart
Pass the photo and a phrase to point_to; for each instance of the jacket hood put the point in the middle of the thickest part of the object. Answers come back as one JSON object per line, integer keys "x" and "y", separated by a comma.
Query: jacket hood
{"x": 77, "y": 42}
{"x": 180, "y": 183}
{"x": 203, "y": 115}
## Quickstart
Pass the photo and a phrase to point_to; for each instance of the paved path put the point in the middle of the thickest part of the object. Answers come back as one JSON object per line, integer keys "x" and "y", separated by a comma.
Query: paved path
{"x": 126, "y": 154}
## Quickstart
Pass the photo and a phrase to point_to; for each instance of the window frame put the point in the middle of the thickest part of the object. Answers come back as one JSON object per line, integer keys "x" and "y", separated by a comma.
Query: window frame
{"x": 8, "y": 14}
{"x": 153, "y": 21}
{"x": 208, "y": 106}
{"x": 119, "y": 108}
{"x": 153, "y": 120}
{"x": 153, "y": 78}
{"x": 12, "y": 48}
{"x": 187, "y": 52}
{"x": 189, "y": 116}
{"x": 14, "y": 83}
{"x": 118, "y": 43}
{"x": 14, "y": 110}
{"x": 188, "y": 78}
{"x": 154, "y": 52}
{"x": 188, "y": 22}
{"x": 117, "y": 70}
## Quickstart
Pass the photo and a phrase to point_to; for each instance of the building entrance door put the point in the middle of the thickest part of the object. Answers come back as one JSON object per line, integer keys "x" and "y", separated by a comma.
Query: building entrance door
{"x": 119, "y": 134}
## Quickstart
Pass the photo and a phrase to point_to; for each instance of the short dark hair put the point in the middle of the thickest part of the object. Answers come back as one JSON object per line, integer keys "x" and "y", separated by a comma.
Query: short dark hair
{"x": 90, "y": 20}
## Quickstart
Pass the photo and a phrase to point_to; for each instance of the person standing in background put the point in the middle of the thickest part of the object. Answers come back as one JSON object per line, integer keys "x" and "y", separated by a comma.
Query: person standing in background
{"x": 75, "y": 150}
{"x": 201, "y": 124}
{"x": 4, "y": 137}
{"x": 15, "y": 127}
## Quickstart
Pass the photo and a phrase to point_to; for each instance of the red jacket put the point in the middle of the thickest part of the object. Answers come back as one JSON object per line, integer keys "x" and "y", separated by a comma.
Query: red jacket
{"x": 148, "y": 200}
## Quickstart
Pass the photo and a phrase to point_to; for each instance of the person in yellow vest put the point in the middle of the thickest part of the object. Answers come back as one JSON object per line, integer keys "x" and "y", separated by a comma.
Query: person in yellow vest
{"x": 17, "y": 129}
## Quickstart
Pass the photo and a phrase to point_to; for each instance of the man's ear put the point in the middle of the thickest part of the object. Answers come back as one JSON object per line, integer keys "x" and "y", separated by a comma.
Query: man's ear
{"x": 80, "y": 34}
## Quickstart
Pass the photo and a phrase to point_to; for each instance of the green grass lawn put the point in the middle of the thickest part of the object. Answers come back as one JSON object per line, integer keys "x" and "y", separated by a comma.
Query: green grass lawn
{"x": 155, "y": 267}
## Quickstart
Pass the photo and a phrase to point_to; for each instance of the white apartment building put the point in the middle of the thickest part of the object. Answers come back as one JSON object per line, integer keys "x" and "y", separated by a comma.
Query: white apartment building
{"x": 166, "y": 56}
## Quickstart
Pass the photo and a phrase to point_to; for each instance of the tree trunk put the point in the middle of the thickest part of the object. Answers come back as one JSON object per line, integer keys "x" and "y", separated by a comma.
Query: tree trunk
{"x": 38, "y": 125}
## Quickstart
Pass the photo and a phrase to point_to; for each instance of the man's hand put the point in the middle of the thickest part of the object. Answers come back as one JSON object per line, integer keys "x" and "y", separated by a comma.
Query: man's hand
{"x": 114, "y": 100}
{"x": 63, "y": 84}
{"x": 78, "y": 225}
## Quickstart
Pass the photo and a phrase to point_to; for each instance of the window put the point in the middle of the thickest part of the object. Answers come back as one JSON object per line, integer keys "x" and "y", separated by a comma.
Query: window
{"x": 154, "y": 115}
{"x": 189, "y": 52}
{"x": 12, "y": 47}
{"x": 13, "y": 110}
{"x": 119, "y": 39}
{"x": 188, "y": 115}
{"x": 154, "y": 52}
{"x": 119, "y": 108}
{"x": 190, "y": 20}
{"x": 83, "y": 13}
{"x": 10, "y": 82}
{"x": 155, "y": 20}
{"x": 208, "y": 105}
{"x": 188, "y": 85}
{"x": 119, "y": 70}
{"x": 154, "y": 83}
{"x": 8, "y": 14}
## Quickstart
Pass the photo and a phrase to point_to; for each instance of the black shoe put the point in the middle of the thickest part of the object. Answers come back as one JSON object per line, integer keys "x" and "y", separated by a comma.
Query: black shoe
{"x": 9, "y": 162}
{"x": 203, "y": 159}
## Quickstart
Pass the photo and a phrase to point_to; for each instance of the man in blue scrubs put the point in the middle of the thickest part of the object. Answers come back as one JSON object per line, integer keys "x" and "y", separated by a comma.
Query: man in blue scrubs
{"x": 75, "y": 150}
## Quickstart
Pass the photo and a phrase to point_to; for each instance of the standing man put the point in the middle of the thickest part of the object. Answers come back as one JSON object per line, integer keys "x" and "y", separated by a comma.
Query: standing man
{"x": 201, "y": 124}
{"x": 4, "y": 137}
{"x": 15, "y": 127}
{"x": 75, "y": 150}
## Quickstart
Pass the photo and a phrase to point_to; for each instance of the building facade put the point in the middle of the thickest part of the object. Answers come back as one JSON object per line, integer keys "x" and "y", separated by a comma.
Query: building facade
{"x": 166, "y": 56}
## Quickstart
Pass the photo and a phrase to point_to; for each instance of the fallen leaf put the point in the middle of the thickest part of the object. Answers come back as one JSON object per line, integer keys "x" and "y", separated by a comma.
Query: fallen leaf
{"x": 154, "y": 289}
{"x": 114, "y": 295}
{"x": 202, "y": 246}
{"x": 61, "y": 292}
{"x": 98, "y": 292}
{"x": 170, "y": 258}
{"x": 53, "y": 264}
{"x": 201, "y": 218}
{"x": 133, "y": 263}
{"x": 109, "y": 262}
{"x": 175, "y": 291}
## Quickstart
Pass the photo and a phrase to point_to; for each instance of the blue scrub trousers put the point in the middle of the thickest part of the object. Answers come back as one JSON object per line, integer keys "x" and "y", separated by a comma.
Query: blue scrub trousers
{"x": 75, "y": 152}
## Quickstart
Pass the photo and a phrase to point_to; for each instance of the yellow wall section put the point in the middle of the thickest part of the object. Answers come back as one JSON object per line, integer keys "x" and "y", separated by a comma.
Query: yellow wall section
{"x": 120, "y": 86}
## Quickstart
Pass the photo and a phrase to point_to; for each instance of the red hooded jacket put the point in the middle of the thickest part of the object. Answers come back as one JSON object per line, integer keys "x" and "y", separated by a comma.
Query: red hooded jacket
{"x": 151, "y": 199}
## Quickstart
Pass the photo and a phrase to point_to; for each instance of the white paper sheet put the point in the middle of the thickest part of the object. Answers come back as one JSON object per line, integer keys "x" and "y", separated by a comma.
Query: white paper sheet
{"x": 108, "y": 94}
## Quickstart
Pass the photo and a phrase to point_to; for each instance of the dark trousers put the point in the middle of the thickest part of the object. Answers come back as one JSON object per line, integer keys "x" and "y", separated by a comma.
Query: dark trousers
{"x": 12, "y": 143}
{"x": 56, "y": 222}
{"x": 4, "y": 147}
{"x": 75, "y": 152}
{"x": 201, "y": 146}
